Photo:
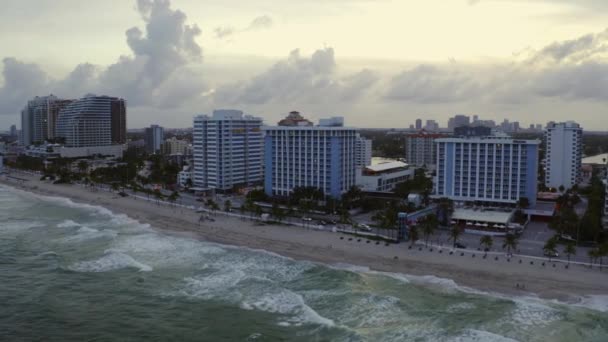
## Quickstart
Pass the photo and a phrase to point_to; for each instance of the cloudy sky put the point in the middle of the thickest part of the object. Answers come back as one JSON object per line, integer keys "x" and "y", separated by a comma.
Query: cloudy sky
{"x": 380, "y": 63}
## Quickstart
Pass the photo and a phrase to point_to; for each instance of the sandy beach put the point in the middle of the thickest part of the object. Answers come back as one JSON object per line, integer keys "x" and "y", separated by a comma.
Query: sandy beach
{"x": 490, "y": 275}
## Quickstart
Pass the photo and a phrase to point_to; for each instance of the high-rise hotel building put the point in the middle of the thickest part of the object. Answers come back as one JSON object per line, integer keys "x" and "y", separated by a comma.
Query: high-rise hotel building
{"x": 564, "y": 152}
{"x": 493, "y": 170}
{"x": 228, "y": 149}
{"x": 323, "y": 157}
{"x": 420, "y": 148}
{"x": 39, "y": 119}
{"x": 93, "y": 121}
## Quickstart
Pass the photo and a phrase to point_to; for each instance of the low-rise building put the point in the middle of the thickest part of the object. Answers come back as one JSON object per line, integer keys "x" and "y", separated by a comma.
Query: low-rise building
{"x": 384, "y": 177}
{"x": 184, "y": 175}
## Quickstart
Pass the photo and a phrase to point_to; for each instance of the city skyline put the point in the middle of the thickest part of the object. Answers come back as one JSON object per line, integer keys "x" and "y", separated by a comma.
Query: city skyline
{"x": 183, "y": 58}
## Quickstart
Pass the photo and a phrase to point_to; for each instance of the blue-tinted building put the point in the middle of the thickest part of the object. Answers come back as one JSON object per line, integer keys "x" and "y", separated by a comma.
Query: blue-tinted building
{"x": 323, "y": 157}
{"x": 492, "y": 170}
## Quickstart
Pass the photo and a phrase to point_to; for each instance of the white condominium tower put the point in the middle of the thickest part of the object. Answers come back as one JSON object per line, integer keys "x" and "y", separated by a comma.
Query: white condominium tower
{"x": 564, "y": 151}
{"x": 364, "y": 152}
{"x": 489, "y": 169}
{"x": 228, "y": 150}
{"x": 93, "y": 121}
{"x": 322, "y": 157}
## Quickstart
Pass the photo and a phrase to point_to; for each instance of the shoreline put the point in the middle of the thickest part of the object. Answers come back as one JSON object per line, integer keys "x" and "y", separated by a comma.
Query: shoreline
{"x": 485, "y": 275}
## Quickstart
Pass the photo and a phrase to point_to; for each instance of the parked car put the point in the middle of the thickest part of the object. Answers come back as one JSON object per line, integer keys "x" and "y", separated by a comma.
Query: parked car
{"x": 364, "y": 227}
{"x": 460, "y": 245}
{"x": 551, "y": 254}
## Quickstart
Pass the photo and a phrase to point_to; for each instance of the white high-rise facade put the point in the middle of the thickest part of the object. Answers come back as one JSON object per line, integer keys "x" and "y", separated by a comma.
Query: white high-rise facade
{"x": 228, "y": 148}
{"x": 86, "y": 122}
{"x": 564, "y": 151}
{"x": 488, "y": 169}
{"x": 322, "y": 157}
{"x": 363, "y": 157}
{"x": 39, "y": 119}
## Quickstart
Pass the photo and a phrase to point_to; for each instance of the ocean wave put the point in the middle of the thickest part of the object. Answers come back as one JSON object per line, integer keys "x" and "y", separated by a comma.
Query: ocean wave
{"x": 473, "y": 335}
{"x": 68, "y": 224}
{"x": 85, "y": 233}
{"x": 288, "y": 303}
{"x": 110, "y": 262}
{"x": 594, "y": 302}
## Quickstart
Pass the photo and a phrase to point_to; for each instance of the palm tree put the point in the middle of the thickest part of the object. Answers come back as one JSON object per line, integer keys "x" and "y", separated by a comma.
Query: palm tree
{"x": 158, "y": 195}
{"x": 510, "y": 243}
{"x": 455, "y": 234}
{"x": 550, "y": 247}
{"x": 173, "y": 197}
{"x": 227, "y": 205}
{"x": 428, "y": 227}
{"x": 486, "y": 241}
{"x": 83, "y": 166}
{"x": 413, "y": 235}
{"x": 569, "y": 250}
{"x": 114, "y": 186}
{"x": 593, "y": 254}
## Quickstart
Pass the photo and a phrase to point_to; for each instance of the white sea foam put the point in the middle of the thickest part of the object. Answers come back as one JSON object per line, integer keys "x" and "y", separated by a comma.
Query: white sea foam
{"x": 472, "y": 335}
{"x": 291, "y": 304}
{"x": 110, "y": 262}
{"x": 594, "y": 302}
{"x": 85, "y": 233}
{"x": 68, "y": 224}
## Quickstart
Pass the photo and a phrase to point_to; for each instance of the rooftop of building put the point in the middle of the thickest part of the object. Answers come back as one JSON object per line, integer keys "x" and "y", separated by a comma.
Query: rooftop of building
{"x": 599, "y": 159}
{"x": 423, "y": 133}
{"x": 385, "y": 167}
{"x": 226, "y": 115}
{"x": 496, "y": 139}
{"x": 490, "y": 216}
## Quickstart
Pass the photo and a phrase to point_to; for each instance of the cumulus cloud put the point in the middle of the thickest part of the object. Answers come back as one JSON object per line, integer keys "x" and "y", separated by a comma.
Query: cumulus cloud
{"x": 298, "y": 79}
{"x": 161, "y": 62}
{"x": 570, "y": 70}
{"x": 262, "y": 22}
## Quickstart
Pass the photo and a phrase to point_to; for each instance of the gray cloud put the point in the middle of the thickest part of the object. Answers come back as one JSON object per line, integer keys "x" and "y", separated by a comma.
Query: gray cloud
{"x": 432, "y": 84}
{"x": 262, "y": 22}
{"x": 298, "y": 79}
{"x": 161, "y": 64}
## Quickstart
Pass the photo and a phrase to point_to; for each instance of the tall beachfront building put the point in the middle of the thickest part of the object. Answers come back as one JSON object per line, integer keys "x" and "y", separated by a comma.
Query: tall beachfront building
{"x": 420, "y": 148}
{"x": 488, "y": 169}
{"x": 228, "y": 148}
{"x": 323, "y": 157}
{"x": 564, "y": 152}
{"x": 154, "y": 137}
{"x": 39, "y": 119}
{"x": 88, "y": 122}
{"x": 363, "y": 155}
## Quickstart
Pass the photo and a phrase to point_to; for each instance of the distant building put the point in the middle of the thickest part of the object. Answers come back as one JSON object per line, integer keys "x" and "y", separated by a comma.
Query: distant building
{"x": 322, "y": 157}
{"x": 295, "y": 119}
{"x": 491, "y": 170}
{"x": 13, "y": 132}
{"x": 118, "y": 113}
{"x": 363, "y": 152}
{"x": 431, "y": 125}
{"x": 154, "y": 137}
{"x": 176, "y": 146}
{"x": 420, "y": 148}
{"x": 458, "y": 120}
{"x": 228, "y": 150}
{"x": 87, "y": 122}
{"x": 472, "y": 131}
{"x": 39, "y": 119}
{"x": 563, "y": 156}
{"x": 418, "y": 124}
{"x": 384, "y": 177}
